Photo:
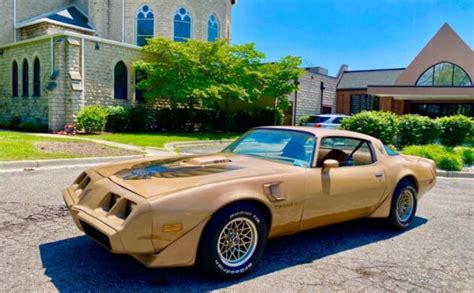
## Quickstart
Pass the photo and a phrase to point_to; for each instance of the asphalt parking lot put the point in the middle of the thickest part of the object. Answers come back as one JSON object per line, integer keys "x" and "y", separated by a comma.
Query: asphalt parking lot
{"x": 41, "y": 249}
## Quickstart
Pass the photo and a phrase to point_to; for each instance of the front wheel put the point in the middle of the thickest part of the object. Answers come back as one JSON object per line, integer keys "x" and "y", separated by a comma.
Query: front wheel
{"x": 233, "y": 241}
{"x": 404, "y": 205}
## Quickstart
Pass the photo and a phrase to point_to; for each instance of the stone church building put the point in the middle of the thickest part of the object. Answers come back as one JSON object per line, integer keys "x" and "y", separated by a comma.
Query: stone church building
{"x": 58, "y": 56}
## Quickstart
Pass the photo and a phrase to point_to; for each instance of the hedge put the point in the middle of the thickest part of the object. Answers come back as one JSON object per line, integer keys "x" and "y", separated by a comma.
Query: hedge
{"x": 412, "y": 129}
{"x": 140, "y": 118}
{"x": 415, "y": 129}
{"x": 383, "y": 125}
{"x": 455, "y": 130}
{"x": 445, "y": 158}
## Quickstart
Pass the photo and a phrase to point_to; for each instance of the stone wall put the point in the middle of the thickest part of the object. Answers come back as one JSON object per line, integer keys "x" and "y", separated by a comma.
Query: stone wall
{"x": 108, "y": 21}
{"x": 45, "y": 28}
{"x": 106, "y": 16}
{"x": 99, "y": 72}
{"x": 32, "y": 109}
{"x": 309, "y": 94}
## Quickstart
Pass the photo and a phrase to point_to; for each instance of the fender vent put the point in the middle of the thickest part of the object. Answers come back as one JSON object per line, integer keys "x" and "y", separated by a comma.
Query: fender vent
{"x": 273, "y": 191}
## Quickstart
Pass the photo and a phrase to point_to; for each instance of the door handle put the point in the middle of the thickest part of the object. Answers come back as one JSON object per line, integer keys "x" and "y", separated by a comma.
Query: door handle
{"x": 379, "y": 174}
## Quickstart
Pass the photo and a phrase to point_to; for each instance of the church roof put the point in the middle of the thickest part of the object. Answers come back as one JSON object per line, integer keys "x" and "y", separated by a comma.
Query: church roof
{"x": 70, "y": 16}
{"x": 361, "y": 79}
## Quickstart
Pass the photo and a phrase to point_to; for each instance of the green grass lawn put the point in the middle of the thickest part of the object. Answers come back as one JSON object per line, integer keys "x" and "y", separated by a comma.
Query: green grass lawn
{"x": 19, "y": 146}
{"x": 160, "y": 139}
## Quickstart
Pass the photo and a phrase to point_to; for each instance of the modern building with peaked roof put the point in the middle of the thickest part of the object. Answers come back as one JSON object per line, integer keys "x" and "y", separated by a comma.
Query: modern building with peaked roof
{"x": 58, "y": 56}
{"x": 438, "y": 82}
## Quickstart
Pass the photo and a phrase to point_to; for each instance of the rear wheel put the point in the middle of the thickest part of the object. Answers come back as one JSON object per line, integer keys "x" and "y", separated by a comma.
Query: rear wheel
{"x": 404, "y": 205}
{"x": 233, "y": 241}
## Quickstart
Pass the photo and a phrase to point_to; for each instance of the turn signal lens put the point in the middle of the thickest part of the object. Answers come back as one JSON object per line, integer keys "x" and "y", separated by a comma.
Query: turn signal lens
{"x": 317, "y": 125}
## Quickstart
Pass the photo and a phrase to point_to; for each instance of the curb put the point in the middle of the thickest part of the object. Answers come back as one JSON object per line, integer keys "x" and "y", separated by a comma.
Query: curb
{"x": 454, "y": 174}
{"x": 64, "y": 162}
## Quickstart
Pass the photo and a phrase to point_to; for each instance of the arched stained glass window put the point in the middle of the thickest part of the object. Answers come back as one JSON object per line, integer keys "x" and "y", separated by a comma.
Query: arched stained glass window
{"x": 182, "y": 25}
{"x": 212, "y": 28}
{"x": 444, "y": 74}
{"x": 25, "y": 80}
{"x": 145, "y": 25}
{"x": 36, "y": 78}
{"x": 120, "y": 81}
{"x": 15, "y": 79}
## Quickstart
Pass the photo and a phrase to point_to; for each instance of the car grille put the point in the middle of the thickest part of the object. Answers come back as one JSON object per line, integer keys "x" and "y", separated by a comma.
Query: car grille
{"x": 96, "y": 235}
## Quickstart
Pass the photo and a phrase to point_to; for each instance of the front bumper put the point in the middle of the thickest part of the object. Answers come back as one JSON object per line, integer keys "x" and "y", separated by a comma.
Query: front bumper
{"x": 131, "y": 235}
{"x": 114, "y": 217}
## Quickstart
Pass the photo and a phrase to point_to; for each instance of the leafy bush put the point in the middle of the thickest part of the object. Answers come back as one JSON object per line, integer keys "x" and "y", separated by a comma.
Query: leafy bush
{"x": 33, "y": 127}
{"x": 303, "y": 119}
{"x": 92, "y": 118}
{"x": 445, "y": 158}
{"x": 467, "y": 154}
{"x": 450, "y": 162}
{"x": 117, "y": 119}
{"x": 455, "y": 130}
{"x": 416, "y": 130}
{"x": 140, "y": 120}
{"x": 13, "y": 122}
{"x": 383, "y": 125}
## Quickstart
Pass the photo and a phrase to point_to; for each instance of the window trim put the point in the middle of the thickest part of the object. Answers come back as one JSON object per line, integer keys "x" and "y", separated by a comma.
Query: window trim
{"x": 15, "y": 92}
{"x": 136, "y": 22}
{"x": 36, "y": 77}
{"x": 190, "y": 23}
{"x": 369, "y": 143}
{"x": 217, "y": 21}
{"x": 366, "y": 96}
{"x": 126, "y": 82}
{"x": 432, "y": 67}
{"x": 25, "y": 86}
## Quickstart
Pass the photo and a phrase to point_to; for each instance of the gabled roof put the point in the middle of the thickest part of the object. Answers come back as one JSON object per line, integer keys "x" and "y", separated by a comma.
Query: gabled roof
{"x": 445, "y": 46}
{"x": 70, "y": 16}
{"x": 360, "y": 79}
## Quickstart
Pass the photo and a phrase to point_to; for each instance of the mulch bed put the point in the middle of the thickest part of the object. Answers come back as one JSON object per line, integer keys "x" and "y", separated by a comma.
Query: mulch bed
{"x": 83, "y": 149}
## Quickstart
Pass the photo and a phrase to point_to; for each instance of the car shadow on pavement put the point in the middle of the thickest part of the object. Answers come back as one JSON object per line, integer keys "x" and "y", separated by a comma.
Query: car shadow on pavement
{"x": 79, "y": 264}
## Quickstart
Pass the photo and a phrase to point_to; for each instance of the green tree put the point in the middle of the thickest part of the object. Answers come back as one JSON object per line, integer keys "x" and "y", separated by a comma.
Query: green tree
{"x": 214, "y": 74}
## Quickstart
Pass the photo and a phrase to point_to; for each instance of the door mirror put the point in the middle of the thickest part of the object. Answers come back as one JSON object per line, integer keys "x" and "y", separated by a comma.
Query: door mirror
{"x": 329, "y": 164}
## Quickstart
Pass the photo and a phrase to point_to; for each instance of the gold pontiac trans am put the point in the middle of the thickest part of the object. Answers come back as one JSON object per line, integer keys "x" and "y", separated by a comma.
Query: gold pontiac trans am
{"x": 219, "y": 210}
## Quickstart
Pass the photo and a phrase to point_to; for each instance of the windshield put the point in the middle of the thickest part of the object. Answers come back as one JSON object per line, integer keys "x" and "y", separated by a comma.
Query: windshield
{"x": 285, "y": 146}
{"x": 318, "y": 119}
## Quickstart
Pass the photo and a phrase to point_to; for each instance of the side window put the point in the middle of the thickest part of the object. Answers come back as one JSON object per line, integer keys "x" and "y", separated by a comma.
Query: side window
{"x": 349, "y": 152}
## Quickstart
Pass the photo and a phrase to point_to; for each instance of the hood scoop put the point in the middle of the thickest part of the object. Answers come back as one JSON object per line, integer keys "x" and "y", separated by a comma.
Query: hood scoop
{"x": 206, "y": 161}
{"x": 177, "y": 168}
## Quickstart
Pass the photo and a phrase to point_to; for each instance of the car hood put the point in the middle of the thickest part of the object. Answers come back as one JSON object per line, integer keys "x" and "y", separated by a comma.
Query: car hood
{"x": 153, "y": 177}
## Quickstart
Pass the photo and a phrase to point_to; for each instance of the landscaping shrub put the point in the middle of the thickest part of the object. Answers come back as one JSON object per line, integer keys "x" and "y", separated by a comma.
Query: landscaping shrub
{"x": 416, "y": 130}
{"x": 467, "y": 154}
{"x": 13, "y": 123}
{"x": 117, "y": 119}
{"x": 33, "y": 127}
{"x": 92, "y": 118}
{"x": 140, "y": 119}
{"x": 455, "y": 130}
{"x": 383, "y": 125}
{"x": 450, "y": 162}
{"x": 446, "y": 159}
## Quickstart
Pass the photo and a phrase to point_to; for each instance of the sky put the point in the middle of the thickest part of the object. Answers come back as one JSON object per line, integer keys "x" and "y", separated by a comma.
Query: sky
{"x": 364, "y": 34}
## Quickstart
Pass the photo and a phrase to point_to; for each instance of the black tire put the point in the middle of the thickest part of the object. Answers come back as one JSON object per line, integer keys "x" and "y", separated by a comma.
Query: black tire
{"x": 405, "y": 188}
{"x": 213, "y": 261}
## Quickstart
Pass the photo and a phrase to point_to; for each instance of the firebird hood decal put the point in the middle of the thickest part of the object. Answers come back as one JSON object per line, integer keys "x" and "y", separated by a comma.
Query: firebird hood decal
{"x": 171, "y": 168}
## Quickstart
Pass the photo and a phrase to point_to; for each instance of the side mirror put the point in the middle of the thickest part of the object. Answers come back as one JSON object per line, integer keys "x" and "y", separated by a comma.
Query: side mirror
{"x": 329, "y": 164}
